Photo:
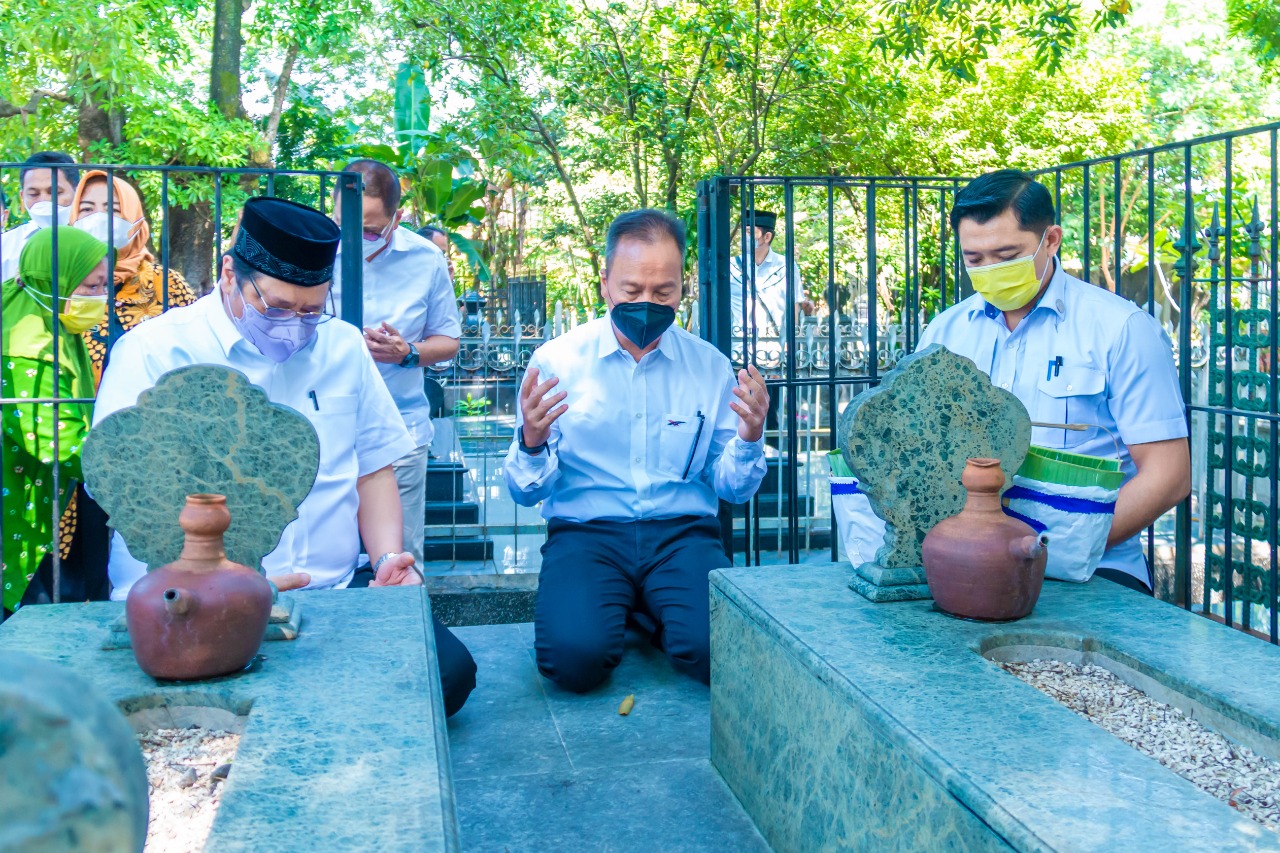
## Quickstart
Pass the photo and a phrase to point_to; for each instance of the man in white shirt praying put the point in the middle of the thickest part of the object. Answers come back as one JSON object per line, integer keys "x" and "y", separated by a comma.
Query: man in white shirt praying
{"x": 629, "y": 430}
{"x": 268, "y": 319}
{"x": 411, "y": 321}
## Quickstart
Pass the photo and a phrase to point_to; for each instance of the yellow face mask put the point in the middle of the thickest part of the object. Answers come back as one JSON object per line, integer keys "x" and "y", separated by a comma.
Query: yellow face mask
{"x": 1008, "y": 285}
{"x": 83, "y": 313}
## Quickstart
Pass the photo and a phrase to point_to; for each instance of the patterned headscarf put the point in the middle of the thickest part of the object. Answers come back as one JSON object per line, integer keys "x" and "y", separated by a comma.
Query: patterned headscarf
{"x": 135, "y": 252}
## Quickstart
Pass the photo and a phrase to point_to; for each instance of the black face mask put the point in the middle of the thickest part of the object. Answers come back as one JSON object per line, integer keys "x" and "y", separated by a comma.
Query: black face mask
{"x": 642, "y": 322}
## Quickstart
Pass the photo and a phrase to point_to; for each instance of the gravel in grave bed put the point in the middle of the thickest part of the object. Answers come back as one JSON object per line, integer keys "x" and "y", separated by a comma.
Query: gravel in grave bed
{"x": 1233, "y": 773}
{"x": 186, "y": 769}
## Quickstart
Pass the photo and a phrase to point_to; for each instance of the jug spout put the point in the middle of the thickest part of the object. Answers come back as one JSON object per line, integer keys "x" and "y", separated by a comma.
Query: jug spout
{"x": 1028, "y": 547}
{"x": 177, "y": 601}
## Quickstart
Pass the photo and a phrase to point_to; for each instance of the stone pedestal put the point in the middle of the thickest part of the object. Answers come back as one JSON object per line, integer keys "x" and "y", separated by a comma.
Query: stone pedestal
{"x": 846, "y": 725}
{"x": 876, "y": 583}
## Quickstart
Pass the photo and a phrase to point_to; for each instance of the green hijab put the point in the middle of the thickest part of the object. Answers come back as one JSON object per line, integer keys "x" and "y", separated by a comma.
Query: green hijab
{"x": 25, "y": 315}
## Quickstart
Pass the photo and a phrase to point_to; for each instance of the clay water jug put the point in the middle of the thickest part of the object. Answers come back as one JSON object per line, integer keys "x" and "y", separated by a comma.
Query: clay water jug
{"x": 981, "y": 563}
{"x": 202, "y": 615}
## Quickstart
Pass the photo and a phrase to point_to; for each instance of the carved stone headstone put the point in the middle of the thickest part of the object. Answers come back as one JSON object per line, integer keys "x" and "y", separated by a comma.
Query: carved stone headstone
{"x": 72, "y": 776}
{"x": 907, "y": 442}
{"x": 203, "y": 429}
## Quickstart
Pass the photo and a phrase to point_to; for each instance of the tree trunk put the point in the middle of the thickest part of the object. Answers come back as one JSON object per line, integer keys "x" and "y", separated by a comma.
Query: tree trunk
{"x": 278, "y": 98}
{"x": 96, "y": 124}
{"x": 224, "y": 72}
{"x": 191, "y": 244}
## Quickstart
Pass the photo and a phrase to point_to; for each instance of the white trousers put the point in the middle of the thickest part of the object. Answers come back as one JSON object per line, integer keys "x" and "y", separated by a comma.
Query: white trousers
{"x": 411, "y": 477}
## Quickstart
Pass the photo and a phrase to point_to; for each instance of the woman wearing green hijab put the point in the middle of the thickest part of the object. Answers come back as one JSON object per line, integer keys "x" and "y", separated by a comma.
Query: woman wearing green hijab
{"x": 28, "y": 305}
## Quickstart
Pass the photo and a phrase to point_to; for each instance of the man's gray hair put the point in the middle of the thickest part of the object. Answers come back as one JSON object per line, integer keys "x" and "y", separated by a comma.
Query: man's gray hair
{"x": 648, "y": 225}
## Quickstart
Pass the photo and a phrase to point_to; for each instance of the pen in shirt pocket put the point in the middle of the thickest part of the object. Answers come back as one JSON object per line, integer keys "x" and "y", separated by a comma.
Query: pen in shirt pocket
{"x": 693, "y": 451}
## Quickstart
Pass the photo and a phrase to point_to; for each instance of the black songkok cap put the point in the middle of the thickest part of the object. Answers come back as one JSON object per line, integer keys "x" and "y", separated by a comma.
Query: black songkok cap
{"x": 764, "y": 220}
{"x": 288, "y": 241}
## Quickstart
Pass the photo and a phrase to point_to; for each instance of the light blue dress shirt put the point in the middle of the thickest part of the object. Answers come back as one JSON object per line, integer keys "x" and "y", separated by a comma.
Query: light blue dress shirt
{"x": 408, "y": 288}
{"x": 640, "y": 440}
{"x": 1116, "y": 372}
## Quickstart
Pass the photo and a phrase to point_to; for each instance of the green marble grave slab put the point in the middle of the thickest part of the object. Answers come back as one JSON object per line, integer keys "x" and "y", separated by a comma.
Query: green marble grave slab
{"x": 846, "y": 725}
{"x": 907, "y": 442}
{"x": 201, "y": 429}
{"x": 344, "y": 746}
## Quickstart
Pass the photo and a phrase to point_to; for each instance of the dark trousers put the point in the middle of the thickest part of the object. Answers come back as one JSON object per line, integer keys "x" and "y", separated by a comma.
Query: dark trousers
{"x": 1125, "y": 579}
{"x": 457, "y": 667}
{"x": 595, "y": 574}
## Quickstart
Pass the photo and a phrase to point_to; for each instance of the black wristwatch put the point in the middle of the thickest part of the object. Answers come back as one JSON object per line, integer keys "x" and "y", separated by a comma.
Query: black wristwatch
{"x": 413, "y": 359}
{"x": 532, "y": 451}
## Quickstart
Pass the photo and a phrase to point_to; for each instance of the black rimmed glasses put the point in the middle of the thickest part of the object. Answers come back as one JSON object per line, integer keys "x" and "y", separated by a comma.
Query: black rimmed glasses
{"x": 279, "y": 315}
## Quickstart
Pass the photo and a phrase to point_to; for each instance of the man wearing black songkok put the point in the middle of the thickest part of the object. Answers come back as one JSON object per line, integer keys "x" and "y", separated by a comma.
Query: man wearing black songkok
{"x": 270, "y": 318}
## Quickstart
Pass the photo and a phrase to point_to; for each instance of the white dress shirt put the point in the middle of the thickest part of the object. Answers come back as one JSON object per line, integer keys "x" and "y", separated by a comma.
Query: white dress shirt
{"x": 770, "y": 305}
{"x": 647, "y": 440}
{"x": 11, "y": 243}
{"x": 408, "y": 288}
{"x": 1116, "y": 372}
{"x": 359, "y": 428}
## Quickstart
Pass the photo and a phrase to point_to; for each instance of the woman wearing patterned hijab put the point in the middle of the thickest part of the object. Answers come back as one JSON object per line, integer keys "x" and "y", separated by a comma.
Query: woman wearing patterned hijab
{"x": 30, "y": 306}
{"x": 139, "y": 280}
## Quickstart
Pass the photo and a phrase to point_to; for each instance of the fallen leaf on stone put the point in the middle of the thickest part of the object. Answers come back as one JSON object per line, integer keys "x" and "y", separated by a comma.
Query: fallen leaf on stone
{"x": 627, "y": 704}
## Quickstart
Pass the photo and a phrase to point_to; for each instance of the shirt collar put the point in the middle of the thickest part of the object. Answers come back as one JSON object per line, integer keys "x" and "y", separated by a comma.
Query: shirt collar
{"x": 1054, "y": 298}
{"x": 399, "y": 240}
{"x": 223, "y": 328}
{"x": 608, "y": 344}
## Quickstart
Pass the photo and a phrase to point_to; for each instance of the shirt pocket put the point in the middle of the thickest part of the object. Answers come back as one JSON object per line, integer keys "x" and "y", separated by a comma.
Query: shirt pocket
{"x": 678, "y": 436}
{"x": 334, "y": 417}
{"x": 1074, "y": 395}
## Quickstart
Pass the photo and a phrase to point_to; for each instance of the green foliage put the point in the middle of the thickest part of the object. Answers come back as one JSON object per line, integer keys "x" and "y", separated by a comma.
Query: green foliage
{"x": 472, "y": 406}
{"x": 523, "y": 126}
{"x": 1258, "y": 21}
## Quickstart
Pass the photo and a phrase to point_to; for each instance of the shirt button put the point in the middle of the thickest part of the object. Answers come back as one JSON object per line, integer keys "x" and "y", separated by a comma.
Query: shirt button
{"x": 1005, "y": 386}
{"x": 1011, "y": 344}
{"x": 637, "y": 460}
{"x": 1068, "y": 387}
{"x": 639, "y": 416}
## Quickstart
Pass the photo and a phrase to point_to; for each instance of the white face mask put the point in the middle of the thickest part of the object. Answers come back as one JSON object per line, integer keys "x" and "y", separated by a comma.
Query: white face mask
{"x": 96, "y": 224}
{"x": 42, "y": 213}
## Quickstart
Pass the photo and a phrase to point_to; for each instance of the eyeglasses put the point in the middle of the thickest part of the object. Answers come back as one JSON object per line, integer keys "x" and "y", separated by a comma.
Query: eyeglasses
{"x": 279, "y": 315}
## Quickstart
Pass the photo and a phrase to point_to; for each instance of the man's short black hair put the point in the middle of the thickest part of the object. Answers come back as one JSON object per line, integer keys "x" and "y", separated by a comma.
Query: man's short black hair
{"x": 430, "y": 231}
{"x": 986, "y": 197}
{"x": 50, "y": 158}
{"x": 379, "y": 182}
{"x": 648, "y": 225}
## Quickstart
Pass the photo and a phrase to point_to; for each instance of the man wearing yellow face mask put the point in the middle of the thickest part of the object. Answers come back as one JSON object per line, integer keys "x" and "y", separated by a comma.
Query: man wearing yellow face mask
{"x": 1072, "y": 353}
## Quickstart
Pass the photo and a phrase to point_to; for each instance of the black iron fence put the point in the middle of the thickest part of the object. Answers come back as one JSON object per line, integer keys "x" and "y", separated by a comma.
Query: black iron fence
{"x": 858, "y": 268}
{"x": 1187, "y": 230}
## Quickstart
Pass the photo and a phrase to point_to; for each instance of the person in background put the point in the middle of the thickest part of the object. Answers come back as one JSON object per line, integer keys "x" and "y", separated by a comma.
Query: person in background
{"x": 1072, "y": 353}
{"x": 44, "y": 202}
{"x": 32, "y": 302}
{"x": 630, "y": 431}
{"x": 269, "y": 318}
{"x": 411, "y": 321}
{"x": 769, "y": 301}
{"x": 138, "y": 281}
